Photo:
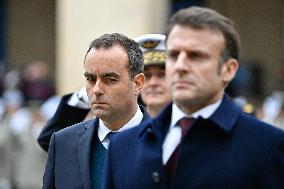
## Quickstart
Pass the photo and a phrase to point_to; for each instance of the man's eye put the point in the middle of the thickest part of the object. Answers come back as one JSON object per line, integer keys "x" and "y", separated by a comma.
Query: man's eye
{"x": 90, "y": 79}
{"x": 111, "y": 79}
{"x": 148, "y": 75}
{"x": 172, "y": 55}
{"x": 161, "y": 75}
{"x": 194, "y": 56}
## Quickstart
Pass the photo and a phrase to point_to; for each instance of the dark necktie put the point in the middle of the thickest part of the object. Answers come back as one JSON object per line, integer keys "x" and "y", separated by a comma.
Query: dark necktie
{"x": 185, "y": 124}
{"x": 111, "y": 134}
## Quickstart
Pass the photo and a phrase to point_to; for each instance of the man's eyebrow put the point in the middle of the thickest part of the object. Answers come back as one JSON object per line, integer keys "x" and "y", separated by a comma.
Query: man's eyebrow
{"x": 110, "y": 74}
{"x": 107, "y": 74}
{"x": 86, "y": 74}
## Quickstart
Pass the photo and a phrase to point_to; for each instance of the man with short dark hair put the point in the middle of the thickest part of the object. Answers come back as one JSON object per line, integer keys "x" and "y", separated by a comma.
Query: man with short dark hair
{"x": 114, "y": 77}
{"x": 202, "y": 140}
{"x": 74, "y": 108}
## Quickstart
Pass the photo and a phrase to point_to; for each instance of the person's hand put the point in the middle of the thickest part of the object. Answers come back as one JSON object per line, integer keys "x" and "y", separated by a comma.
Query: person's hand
{"x": 79, "y": 99}
{"x": 82, "y": 95}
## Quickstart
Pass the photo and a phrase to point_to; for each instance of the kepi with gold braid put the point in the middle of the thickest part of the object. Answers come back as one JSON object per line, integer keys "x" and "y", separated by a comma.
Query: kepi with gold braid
{"x": 153, "y": 48}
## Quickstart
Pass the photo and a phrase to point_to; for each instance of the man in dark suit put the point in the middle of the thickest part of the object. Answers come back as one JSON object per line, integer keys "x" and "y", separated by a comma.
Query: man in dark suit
{"x": 114, "y": 77}
{"x": 202, "y": 140}
{"x": 74, "y": 108}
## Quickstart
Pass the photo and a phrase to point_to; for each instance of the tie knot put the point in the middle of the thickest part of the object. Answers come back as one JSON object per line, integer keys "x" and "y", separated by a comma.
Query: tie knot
{"x": 185, "y": 124}
{"x": 111, "y": 134}
{"x": 186, "y": 121}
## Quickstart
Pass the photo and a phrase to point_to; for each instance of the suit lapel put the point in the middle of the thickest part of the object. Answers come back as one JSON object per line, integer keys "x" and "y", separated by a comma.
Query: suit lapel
{"x": 151, "y": 134}
{"x": 84, "y": 151}
{"x": 162, "y": 122}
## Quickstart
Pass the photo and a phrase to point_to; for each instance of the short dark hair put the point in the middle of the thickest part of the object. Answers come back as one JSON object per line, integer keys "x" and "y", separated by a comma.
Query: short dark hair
{"x": 199, "y": 18}
{"x": 132, "y": 49}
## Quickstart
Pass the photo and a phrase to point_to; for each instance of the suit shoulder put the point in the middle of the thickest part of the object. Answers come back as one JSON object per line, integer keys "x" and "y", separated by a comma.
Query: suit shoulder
{"x": 260, "y": 127}
{"x": 133, "y": 133}
{"x": 76, "y": 128}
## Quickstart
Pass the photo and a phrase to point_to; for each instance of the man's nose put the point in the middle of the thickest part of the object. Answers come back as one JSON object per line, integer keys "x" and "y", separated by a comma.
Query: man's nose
{"x": 182, "y": 63}
{"x": 154, "y": 80}
{"x": 98, "y": 88}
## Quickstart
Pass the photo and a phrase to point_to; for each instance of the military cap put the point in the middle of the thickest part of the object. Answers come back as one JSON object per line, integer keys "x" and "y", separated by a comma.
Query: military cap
{"x": 153, "y": 48}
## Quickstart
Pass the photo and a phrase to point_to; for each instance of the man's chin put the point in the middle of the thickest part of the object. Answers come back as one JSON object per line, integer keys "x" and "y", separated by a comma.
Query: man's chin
{"x": 156, "y": 102}
{"x": 100, "y": 113}
{"x": 182, "y": 97}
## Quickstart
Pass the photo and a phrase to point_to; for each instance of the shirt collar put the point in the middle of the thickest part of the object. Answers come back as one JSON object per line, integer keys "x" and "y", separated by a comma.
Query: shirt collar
{"x": 205, "y": 112}
{"x": 103, "y": 130}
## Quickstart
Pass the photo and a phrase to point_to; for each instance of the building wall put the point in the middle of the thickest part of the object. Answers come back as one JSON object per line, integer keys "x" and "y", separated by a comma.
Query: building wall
{"x": 59, "y": 33}
{"x": 79, "y": 22}
{"x": 30, "y": 32}
{"x": 261, "y": 28}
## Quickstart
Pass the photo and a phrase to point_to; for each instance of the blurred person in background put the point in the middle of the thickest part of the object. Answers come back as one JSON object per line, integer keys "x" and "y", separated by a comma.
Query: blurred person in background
{"x": 247, "y": 107}
{"x": 11, "y": 103}
{"x": 28, "y": 158}
{"x": 20, "y": 126}
{"x": 37, "y": 86}
{"x": 5, "y": 147}
{"x": 74, "y": 108}
{"x": 272, "y": 106}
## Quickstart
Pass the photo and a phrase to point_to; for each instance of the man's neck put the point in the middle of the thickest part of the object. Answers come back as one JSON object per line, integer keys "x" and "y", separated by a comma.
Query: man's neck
{"x": 153, "y": 110}
{"x": 118, "y": 122}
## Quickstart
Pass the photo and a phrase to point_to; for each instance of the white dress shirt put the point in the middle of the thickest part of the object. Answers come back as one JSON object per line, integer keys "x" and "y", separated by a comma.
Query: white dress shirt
{"x": 173, "y": 136}
{"x": 103, "y": 130}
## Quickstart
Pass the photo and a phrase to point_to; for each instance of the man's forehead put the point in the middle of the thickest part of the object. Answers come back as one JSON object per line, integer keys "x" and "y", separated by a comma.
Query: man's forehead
{"x": 187, "y": 31}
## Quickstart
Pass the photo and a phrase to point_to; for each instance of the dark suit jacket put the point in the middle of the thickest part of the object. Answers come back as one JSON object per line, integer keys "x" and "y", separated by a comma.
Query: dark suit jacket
{"x": 230, "y": 150}
{"x": 64, "y": 116}
{"x": 69, "y": 155}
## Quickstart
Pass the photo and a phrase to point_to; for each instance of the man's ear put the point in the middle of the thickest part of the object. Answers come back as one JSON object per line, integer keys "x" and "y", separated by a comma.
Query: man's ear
{"x": 229, "y": 70}
{"x": 138, "y": 83}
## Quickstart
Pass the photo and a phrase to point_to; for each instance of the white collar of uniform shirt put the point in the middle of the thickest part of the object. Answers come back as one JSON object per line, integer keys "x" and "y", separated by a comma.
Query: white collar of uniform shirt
{"x": 103, "y": 130}
{"x": 173, "y": 136}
